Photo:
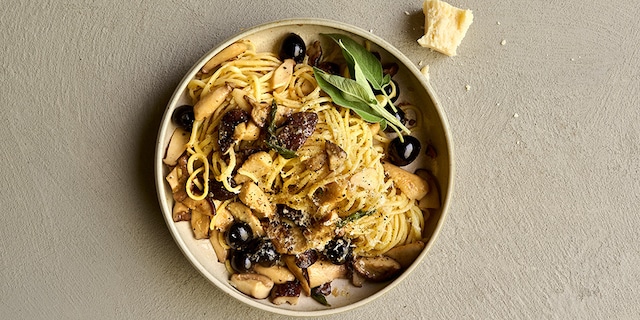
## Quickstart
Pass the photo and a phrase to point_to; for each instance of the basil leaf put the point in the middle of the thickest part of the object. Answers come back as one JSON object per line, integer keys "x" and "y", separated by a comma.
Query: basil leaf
{"x": 362, "y": 109}
{"x": 351, "y": 89}
{"x": 355, "y": 53}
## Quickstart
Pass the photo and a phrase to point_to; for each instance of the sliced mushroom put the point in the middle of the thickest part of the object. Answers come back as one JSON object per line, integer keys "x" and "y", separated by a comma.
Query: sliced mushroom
{"x": 288, "y": 292}
{"x": 210, "y": 102}
{"x": 299, "y": 273}
{"x": 297, "y": 129}
{"x": 331, "y": 193}
{"x": 173, "y": 178}
{"x": 177, "y": 146}
{"x": 390, "y": 68}
{"x": 228, "y": 125}
{"x": 406, "y": 254}
{"x": 200, "y": 224}
{"x": 246, "y": 131}
{"x": 410, "y": 184}
{"x": 181, "y": 212}
{"x": 277, "y": 274}
{"x": 286, "y": 237}
{"x": 241, "y": 212}
{"x": 316, "y": 162}
{"x": 380, "y": 268}
{"x": 254, "y": 168}
{"x": 255, "y": 285}
{"x": 222, "y": 220}
{"x": 282, "y": 75}
{"x": 324, "y": 271}
{"x": 252, "y": 196}
{"x": 366, "y": 179}
{"x": 432, "y": 199}
{"x": 239, "y": 96}
{"x": 314, "y": 52}
{"x": 298, "y": 217}
{"x": 337, "y": 155}
{"x": 218, "y": 248}
{"x": 228, "y": 53}
{"x": 356, "y": 278}
{"x": 259, "y": 111}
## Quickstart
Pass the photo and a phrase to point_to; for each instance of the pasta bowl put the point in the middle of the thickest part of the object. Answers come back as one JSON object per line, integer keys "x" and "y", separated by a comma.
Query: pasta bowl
{"x": 428, "y": 124}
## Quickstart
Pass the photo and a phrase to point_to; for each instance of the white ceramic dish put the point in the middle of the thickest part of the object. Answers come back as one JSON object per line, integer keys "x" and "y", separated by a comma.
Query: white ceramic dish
{"x": 434, "y": 129}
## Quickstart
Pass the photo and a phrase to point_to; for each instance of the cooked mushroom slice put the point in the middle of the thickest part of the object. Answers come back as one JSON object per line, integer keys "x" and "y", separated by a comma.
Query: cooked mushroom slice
{"x": 254, "y": 168}
{"x": 314, "y": 51}
{"x": 181, "y": 212}
{"x": 316, "y": 162}
{"x": 211, "y": 101}
{"x": 173, "y": 178}
{"x": 306, "y": 259}
{"x": 432, "y": 199}
{"x": 406, "y": 254}
{"x": 228, "y": 53}
{"x": 410, "y": 184}
{"x": 380, "y": 268}
{"x": 222, "y": 220}
{"x": 390, "y": 68}
{"x": 177, "y": 146}
{"x": 297, "y": 128}
{"x": 356, "y": 278}
{"x": 200, "y": 224}
{"x": 241, "y": 212}
{"x": 287, "y": 292}
{"x": 331, "y": 193}
{"x": 337, "y": 155}
{"x": 299, "y": 273}
{"x": 252, "y": 196}
{"x": 218, "y": 248}
{"x": 259, "y": 111}
{"x": 277, "y": 274}
{"x": 246, "y": 131}
{"x": 255, "y": 285}
{"x": 366, "y": 179}
{"x": 298, "y": 217}
{"x": 282, "y": 75}
{"x": 228, "y": 125}
{"x": 324, "y": 271}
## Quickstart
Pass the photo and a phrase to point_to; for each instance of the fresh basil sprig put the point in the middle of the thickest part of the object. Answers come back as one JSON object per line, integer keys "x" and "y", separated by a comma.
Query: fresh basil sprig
{"x": 272, "y": 141}
{"x": 357, "y": 93}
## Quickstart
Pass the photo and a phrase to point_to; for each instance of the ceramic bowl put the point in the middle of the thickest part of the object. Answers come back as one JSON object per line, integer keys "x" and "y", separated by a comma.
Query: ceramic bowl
{"x": 432, "y": 129}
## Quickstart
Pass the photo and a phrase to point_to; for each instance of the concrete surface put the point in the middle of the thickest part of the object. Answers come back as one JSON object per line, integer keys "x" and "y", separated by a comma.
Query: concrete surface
{"x": 545, "y": 215}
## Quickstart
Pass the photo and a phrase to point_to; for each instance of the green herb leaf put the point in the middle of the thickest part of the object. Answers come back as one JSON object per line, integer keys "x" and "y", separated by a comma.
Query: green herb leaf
{"x": 353, "y": 217}
{"x": 362, "y": 109}
{"x": 350, "y": 89}
{"x": 272, "y": 141}
{"x": 357, "y": 94}
{"x": 320, "y": 298}
{"x": 357, "y": 54}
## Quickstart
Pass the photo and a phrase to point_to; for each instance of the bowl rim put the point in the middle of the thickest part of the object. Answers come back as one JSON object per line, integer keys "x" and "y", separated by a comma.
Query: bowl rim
{"x": 160, "y": 149}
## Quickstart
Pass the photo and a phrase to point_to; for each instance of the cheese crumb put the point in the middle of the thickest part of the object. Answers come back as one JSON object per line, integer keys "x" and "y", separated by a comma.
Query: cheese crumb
{"x": 503, "y": 42}
{"x": 445, "y": 26}
{"x": 406, "y": 13}
{"x": 425, "y": 72}
{"x": 515, "y": 115}
{"x": 467, "y": 87}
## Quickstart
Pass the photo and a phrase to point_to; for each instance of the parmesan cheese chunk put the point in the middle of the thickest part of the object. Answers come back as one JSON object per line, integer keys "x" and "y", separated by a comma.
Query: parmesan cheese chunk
{"x": 444, "y": 26}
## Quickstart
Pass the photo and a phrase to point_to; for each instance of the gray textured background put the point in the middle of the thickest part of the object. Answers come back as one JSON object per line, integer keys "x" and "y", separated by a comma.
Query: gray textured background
{"x": 544, "y": 218}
